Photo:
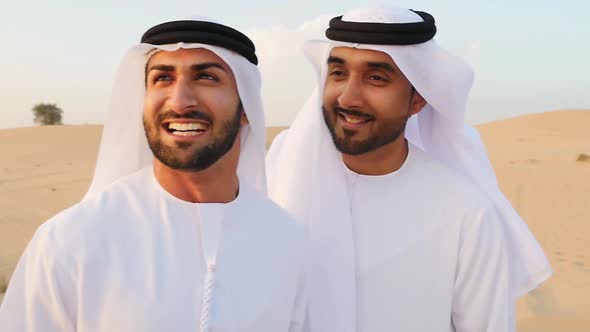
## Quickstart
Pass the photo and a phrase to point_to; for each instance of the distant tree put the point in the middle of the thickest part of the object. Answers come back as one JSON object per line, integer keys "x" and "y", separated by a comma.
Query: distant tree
{"x": 47, "y": 114}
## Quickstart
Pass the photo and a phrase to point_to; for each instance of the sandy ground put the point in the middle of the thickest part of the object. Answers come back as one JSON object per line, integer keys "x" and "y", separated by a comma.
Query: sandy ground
{"x": 542, "y": 162}
{"x": 543, "y": 165}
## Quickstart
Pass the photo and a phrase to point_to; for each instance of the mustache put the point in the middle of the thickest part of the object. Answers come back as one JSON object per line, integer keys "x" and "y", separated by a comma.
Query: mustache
{"x": 353, "y": 112}
{"x": 196, "y": 115}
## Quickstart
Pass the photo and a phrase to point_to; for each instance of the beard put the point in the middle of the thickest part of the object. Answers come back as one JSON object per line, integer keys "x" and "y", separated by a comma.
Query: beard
{"x": 201, "y": 158}
{"x": 384, "y": 132}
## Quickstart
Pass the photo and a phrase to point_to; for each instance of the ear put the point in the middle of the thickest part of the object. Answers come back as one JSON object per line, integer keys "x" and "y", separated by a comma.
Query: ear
{"x": 417, "y": 103}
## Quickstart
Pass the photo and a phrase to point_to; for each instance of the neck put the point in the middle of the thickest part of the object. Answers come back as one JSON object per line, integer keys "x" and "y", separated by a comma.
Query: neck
{"x": 384, "y": 160}
{"x": 218, "y": 183}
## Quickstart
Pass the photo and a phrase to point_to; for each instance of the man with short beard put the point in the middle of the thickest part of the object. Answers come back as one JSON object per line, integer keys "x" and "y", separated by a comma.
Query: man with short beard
{"x": 176, "y": 232}
{"x": 409, "y": 231}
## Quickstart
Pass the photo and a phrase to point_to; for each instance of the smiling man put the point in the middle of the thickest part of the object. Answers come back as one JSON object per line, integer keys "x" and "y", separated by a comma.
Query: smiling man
{"x": 176, "y": 232}
{"x": 409, "y": 230}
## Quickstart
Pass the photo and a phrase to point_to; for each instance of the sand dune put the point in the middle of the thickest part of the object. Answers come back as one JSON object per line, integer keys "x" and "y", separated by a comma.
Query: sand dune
{"x": 541, "y": 166}
{"x": 542, "y": 162}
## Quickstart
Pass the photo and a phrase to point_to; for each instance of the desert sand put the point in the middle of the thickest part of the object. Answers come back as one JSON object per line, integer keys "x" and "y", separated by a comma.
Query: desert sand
{"x": 542, "y": 163}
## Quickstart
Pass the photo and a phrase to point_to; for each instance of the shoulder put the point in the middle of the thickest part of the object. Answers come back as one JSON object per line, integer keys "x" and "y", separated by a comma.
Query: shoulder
{"x": 51, "y": 242}
{"x": 441, "y": 182}
{"x": 89, "y": 222}
{"x": 453, "y": 197}
{"x": 270, "y": 218}
{"x": 266, "y": 211}
{"x": 132, "y": 185}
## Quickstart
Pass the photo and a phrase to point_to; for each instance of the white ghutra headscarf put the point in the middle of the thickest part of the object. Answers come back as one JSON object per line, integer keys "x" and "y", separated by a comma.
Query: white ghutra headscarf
{"x": 124, "y": 148}
{"x": 302, "y": 177}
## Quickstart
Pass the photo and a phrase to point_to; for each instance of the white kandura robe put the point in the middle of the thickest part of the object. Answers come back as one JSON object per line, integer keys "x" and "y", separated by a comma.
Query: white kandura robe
{"x": 430, "y": 256}
{"x": 130, "y": 259}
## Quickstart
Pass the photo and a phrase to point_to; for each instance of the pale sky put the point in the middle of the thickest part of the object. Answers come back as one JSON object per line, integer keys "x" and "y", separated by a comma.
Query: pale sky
{"x": 529, "y": 56}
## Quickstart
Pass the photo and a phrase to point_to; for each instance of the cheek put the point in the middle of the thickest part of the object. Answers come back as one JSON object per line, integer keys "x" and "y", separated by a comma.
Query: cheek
{"x": 388, "y": 104}
{"x": 151, "y": 102}
{"x": 330, "y": 94}
{"x": 222, "y": 101}
{"x": 147, "y": 108}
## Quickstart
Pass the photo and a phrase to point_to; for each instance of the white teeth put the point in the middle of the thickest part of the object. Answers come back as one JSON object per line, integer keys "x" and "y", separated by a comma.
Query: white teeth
{"x": 187, "y": 126}
{"x": 353, "y": 120}
{"x": 186, "y": 133}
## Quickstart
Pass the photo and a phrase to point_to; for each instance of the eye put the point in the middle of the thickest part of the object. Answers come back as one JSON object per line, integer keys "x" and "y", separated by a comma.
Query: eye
{"x": 336, "y": 72}
{"x": 161, "y": 78}
{"x": 377, "y": 78}
{"x": 206, "y": 76}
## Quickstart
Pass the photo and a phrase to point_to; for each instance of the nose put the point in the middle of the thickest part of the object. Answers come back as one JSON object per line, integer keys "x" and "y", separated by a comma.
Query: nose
{"x": 350, "y": 94}
{"x": 182, "y": 97}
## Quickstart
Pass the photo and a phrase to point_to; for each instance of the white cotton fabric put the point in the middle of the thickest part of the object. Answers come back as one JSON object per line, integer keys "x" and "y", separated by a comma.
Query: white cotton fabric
{"x": 429, "y": 251}
{"x": 302, "y": 178}
{"x": 130, "y": 258}
{"x": 124, "y": 148}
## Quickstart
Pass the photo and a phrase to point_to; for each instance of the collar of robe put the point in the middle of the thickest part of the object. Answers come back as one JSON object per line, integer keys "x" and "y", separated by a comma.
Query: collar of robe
{"x": 202, "y": 32}
{"x": 383, "y": 33}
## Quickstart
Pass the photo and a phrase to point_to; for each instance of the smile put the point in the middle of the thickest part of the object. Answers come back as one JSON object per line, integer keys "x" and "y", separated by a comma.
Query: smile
{"x": 185, "y": 128}
{"x": 353, "y": 120}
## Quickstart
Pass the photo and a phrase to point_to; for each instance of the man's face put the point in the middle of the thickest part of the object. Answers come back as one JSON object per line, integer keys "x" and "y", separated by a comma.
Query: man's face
{"x": 192, "y": 111}
{"x": 367, "y": 100}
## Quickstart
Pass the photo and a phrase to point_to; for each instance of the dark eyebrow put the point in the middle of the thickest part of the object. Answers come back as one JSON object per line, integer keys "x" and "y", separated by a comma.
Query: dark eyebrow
{"x": 206, "y": 65}
{"x": 195, "y": 67}
{"x": 333, "y": 59}
{"x": 161, "y": 67}
{"x": 381, "y": 65}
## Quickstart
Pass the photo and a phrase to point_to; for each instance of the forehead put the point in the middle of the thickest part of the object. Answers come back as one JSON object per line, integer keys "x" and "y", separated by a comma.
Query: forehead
{"x": 359, "y": 55}
{"x": 186, "y": 57}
